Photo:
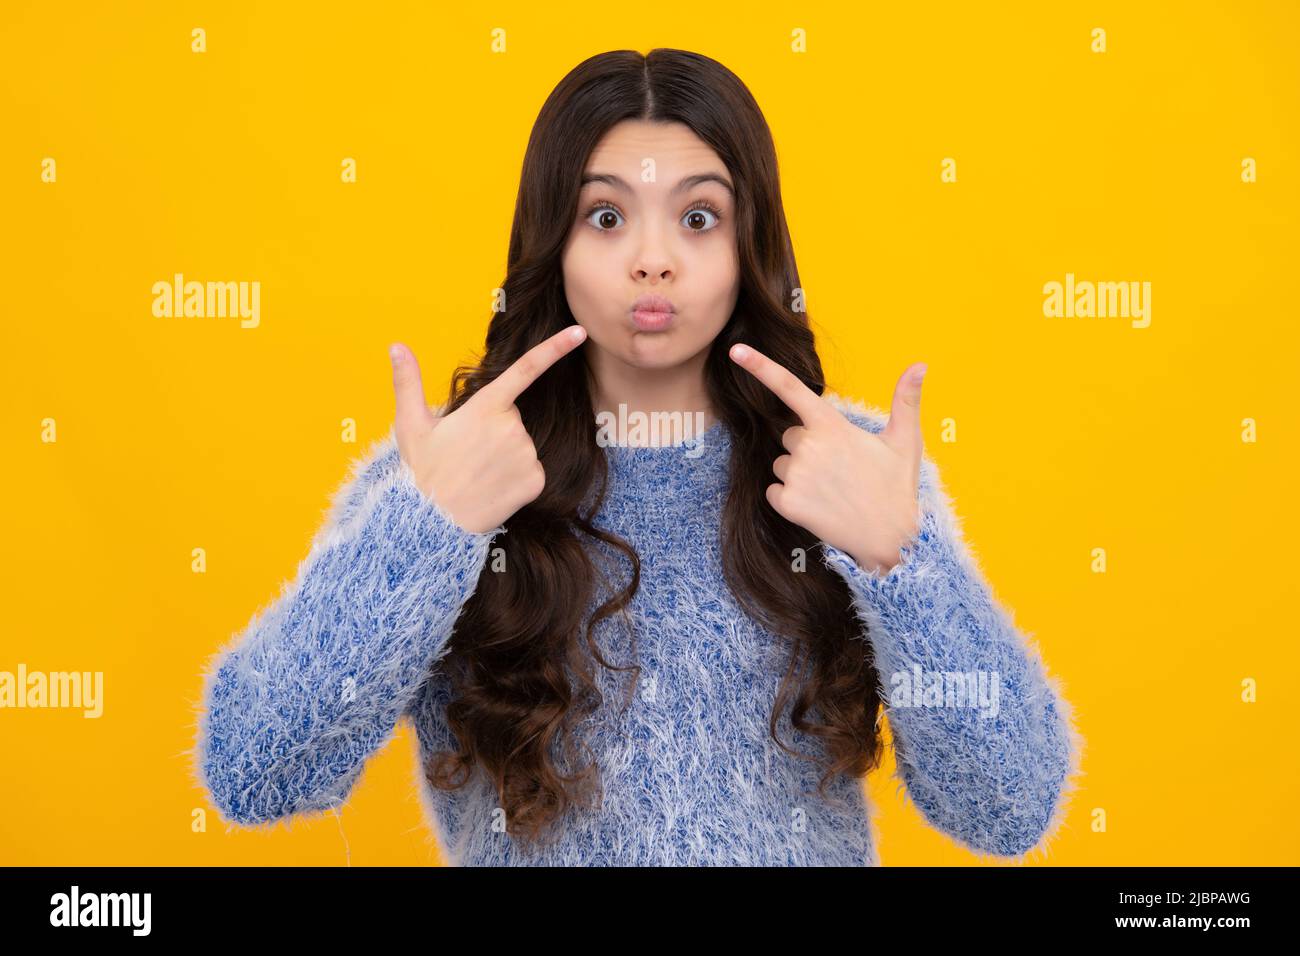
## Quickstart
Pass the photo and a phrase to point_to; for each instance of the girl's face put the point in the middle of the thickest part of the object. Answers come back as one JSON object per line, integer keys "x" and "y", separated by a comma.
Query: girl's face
{"x": 655, "y": 216}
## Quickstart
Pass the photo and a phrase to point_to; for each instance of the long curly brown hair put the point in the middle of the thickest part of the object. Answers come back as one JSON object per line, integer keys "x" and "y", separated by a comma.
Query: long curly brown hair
{"x": 521, "y": 634}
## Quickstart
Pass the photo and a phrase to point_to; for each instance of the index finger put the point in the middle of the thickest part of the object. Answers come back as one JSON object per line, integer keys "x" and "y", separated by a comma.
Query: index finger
{"x": 801, "y": 399}
{"x": 528, "y": 368}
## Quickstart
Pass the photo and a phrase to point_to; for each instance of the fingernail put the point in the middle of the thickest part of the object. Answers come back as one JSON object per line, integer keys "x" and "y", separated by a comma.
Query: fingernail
{"x": 578, "y": 333}
{"x": 919, "y": 374}
{"x": 395, "y": 353}
{"x": 740, "y": 352}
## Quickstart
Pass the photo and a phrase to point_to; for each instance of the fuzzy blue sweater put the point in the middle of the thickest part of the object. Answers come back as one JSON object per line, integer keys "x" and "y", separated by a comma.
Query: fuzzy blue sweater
{"x": 317, "y": 681}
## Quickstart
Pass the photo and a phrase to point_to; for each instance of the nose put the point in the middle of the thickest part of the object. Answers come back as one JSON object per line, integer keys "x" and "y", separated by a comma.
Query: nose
{"x": 652, "y": 257}
{"x": 656, "y": 275}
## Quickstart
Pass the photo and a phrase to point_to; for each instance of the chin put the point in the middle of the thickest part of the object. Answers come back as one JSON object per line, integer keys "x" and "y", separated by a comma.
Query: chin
{"x": 650, "y": 362}
{"x": 654, "y": 350}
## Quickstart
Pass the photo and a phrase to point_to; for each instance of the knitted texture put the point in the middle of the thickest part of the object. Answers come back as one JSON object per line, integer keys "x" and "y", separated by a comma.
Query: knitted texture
{"x": 317, "y": 681}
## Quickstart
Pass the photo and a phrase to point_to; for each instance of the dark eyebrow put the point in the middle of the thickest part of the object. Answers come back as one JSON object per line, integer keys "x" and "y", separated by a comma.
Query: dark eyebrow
{"x": 689, "y": 182}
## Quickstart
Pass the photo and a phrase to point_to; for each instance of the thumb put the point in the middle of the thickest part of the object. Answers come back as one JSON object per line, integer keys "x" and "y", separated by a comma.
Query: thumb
{"x": 408, "y": 389}
{"x": 903, "y": 430}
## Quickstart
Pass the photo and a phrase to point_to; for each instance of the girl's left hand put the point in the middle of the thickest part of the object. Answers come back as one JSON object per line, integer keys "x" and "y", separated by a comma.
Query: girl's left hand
{"x": 851, "y": 488}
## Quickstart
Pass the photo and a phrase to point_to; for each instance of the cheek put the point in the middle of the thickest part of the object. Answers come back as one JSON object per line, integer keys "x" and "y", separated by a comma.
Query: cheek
{"x": 722, "y": 267}
{"x": 587, "y": 281}
{"x": 585, "y": 253}
{"x": 577, "y": 267}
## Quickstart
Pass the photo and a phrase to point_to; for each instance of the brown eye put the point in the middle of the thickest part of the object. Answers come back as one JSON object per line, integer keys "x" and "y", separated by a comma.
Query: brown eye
{"x": 697, "y": 218}
{"x": 606, "y": 217}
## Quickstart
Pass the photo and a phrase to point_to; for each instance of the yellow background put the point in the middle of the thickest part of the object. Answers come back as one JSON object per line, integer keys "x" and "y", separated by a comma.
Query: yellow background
{"x": 1072, "y": 434}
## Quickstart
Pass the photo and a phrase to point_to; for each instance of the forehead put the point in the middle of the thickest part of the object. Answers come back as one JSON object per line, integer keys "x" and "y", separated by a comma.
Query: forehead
{"x": 674, "y": 147}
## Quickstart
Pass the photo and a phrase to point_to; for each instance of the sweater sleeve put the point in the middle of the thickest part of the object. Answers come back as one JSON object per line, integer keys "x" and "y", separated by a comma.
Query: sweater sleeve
{"x": 316, "y": 682}
{"x": 993, "y": 772}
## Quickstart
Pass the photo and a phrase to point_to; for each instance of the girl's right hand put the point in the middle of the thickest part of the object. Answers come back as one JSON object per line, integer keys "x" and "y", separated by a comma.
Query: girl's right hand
{"x": 478, "y": 463}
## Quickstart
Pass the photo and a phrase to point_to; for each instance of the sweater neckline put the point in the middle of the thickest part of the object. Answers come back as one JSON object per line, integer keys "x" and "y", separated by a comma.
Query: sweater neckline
{"x": 680, "y": 472}
{"x": 711, "y": 435}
